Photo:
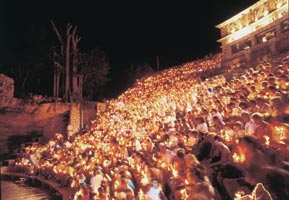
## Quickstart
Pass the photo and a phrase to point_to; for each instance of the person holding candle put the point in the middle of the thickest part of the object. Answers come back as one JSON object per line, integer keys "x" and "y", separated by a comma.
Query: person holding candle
{"x": 262, "y": 127}
{"x": 95, "y": 181}
{"x": 201, "y": 125}
{"x": 155, "y": 192}
{"x": 249, "y": 125}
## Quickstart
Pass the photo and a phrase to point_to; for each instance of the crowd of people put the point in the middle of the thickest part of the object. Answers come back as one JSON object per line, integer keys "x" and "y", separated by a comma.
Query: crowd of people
{"x": 176, "y": 136}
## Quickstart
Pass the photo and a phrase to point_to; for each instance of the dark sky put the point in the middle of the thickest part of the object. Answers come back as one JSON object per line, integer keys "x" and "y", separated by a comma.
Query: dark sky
{"x": 135, "y": 31}
{"x": 127, "y": 31}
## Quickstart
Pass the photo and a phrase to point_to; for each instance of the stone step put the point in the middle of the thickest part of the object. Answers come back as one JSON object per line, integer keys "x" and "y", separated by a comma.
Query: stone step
{"x": 65, "y": 192}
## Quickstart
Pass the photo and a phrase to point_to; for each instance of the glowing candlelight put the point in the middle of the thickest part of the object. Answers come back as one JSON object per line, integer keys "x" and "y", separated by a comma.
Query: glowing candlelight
{"x": 175, "y": 172}
{"x": 141, "y": 195}
{"x": 184, "y": 194}
{"x": 238, "y": 195}
{"x": 116, "y": 184}
{"x": 77, "y": 194}
{"x": 73, "y": 183}
{"x": 172, "y": 168}
{"x": 138, "y": 167}
{"x": 281, "y": 132}
{"x": 267, "y": 140}
{"x": 239, "y": 158}
{"x": 144, "y": 180}
{"x": 163, "y": 165}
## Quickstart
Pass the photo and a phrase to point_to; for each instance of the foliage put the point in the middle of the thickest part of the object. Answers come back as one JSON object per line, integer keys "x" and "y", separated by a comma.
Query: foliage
{"x": 27, "y": 61}
{"x": 140, "y": 71}
{"x": 95, "y": 68}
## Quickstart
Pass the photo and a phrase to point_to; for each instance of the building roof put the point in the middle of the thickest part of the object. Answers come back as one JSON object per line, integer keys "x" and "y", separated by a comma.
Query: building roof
{"x": 237, "y": 16}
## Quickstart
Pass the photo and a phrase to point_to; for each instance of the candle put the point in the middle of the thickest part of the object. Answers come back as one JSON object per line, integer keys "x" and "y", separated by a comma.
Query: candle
{"x": 141, "y": 195}
{"x": 267, "y": 140}
{"x": 238, "y": 195}
{"x": 184, "y": 194}
{"x": 239, "y": 158}
{"x": 144, "y": 180}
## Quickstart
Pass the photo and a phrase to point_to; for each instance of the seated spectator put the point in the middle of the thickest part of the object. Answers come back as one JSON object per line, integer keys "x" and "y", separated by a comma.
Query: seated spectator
{"x": 253, "y": 107}
{"x": 185, "y": 127}
{"x": 249, "y": 124}
{"x": 218, "y": 125}
{"x": 229, "y": 134}
{"x": 264, "y": 107}
{"x": 201, "y": 125}
{"x": 256, "y": 168}
{"x": 192, "y": 139}
{"x": 238, "y": 129}
{"x": 263, "y": 128}
{"x": 217, "y": 113}
{"x": 280, "y": 130}
{"x": 202, "y": 150}
{"x": 202, "y": 187}
{"x": 155, "y": 192}
{"x": 220, "y": 153}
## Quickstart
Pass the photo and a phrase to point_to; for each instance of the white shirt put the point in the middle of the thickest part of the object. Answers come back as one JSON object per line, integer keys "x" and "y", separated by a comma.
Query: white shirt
{"x": 250, "y": 128}
{"x": 219, "y": 115}
{"x": 154, "y": 193}
{"x": 96, "y": 182}
{"x": 202, "y": 128}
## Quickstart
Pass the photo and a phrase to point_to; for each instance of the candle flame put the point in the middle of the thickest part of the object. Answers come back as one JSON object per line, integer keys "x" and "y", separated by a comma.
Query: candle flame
{"x": 240, "y": 158}
{"x": 267, "y": 140}
{"x": 144, "y": 180}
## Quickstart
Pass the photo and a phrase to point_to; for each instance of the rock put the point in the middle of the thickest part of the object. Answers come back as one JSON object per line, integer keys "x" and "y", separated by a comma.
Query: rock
{"x": 6, "y": 90}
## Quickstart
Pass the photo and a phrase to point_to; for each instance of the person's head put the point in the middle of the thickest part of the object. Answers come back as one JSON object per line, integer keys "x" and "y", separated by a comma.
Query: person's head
{"x": 181, "y": 154}
{"x": 201, "y": 120}
{"x": 264, "y": 84}
{"x": 216, "y": 120}
{"x": 231, "y": 105}
{"x": 161, "y": 147}
{"x": 276, "y": 101}
{"x": 249, "y": 141}
{"x": 237, "y": 126}
{"x": 245, "y": 116}
{"x": 260, "y": 101}
{"x": 214, "y": 111}
{"x": 217, "y": 138}
{"x": 205, "y": 111}
{"x": 193, "y": 133}
{"x": 257, "y": 118}
{"x": 121, "y": 196}
{"x": 155, "y": 183}
{"x": 243, "y": 105}
{"x": 227, "y": 126}
{"x": 252, "y": 88}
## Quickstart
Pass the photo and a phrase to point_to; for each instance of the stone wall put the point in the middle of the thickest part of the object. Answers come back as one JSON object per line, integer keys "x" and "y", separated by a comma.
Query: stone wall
{"x": 47, "y": 118}
{"x": 6, "y": 90}
{"x": 23, "y": 120}
{"x": 81, "y": 115}
{"x": 19, "y": 117}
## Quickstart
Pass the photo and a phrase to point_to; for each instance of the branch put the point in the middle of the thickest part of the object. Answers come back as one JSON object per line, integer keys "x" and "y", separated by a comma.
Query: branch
{"x": 75, "y": 38}
{"x": 24, "y": 81}
{"x": 68, "y": 28}
{"x": 57, "y": 32}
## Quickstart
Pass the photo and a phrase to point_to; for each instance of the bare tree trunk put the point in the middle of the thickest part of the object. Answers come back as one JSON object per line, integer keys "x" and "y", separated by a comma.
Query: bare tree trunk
{"x": 58, "y": 66}
{"x": 67, "y": 63}
{"x": 80, "y": 85}
{"x": 55, "y": 82}
{"x": 75, "y": 76}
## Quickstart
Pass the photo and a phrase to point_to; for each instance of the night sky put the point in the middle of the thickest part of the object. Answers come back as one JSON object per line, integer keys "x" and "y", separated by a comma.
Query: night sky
{"x": 128, "y": 32}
